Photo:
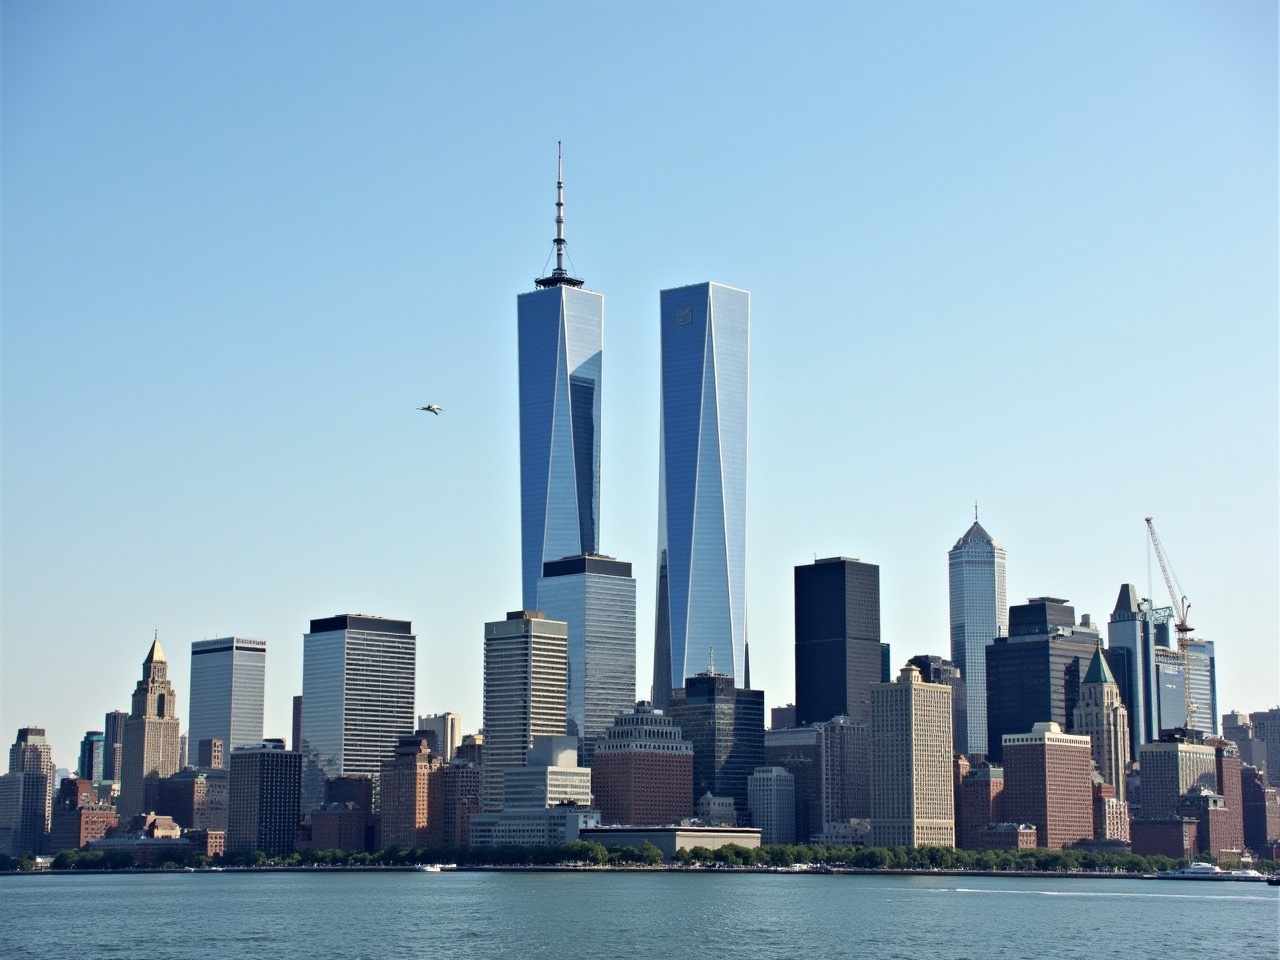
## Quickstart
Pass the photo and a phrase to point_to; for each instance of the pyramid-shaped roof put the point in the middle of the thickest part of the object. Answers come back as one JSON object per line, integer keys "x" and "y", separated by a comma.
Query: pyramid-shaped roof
{"x": 975, "y": 534}
{"x": 1098, "y": 671}
{"x": 155, "y": 654}
{"x": 1127, "y": 601}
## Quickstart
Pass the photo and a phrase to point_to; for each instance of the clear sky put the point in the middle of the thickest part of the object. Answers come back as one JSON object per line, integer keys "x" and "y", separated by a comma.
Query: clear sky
{"x": 1018, "y": 253}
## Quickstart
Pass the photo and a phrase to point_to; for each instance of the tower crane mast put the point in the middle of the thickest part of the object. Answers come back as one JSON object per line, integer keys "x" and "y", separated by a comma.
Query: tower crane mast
{"x": 1181, "y": 607}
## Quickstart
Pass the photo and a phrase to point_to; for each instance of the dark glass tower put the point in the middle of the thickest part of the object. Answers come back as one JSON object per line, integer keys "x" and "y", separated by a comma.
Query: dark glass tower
{"x": 726, "y": 726}
{"x": 838, "y": 650}
{"x": 1034, "y": 674}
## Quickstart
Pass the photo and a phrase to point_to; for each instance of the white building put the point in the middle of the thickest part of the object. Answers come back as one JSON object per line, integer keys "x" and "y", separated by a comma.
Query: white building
{"x": 771, "y": 798}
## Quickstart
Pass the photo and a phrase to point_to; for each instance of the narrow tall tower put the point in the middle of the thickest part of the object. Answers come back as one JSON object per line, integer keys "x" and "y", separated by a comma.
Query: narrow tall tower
{"x": 979, "y": 614}
{"x": 1101, "y": 716}
{"x": 150, "y": 744}
{"x": 561, "y": 340}
{"x": 702, "y": 493}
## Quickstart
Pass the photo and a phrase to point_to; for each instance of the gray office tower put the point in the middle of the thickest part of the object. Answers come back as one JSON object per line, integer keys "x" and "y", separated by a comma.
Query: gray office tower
{"x": 838, "y": 650}
{"x": 357, "y": 697}
{"x": 1034, "y": 674}
{"x": 596, "y": 597}
{"x": 1132, "y": 657}
{"x": 1175, "y": 672}
{"x": 228, "y": 684}
{"x": 979, "y": 614}
{"x": 725, "y": 724}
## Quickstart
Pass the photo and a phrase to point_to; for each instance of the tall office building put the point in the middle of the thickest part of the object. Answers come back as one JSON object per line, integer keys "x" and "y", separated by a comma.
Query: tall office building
{"x": 263, "y": 808}
{"x": 113, "y": 738}
{"x": 357, "y": 694}
{"x": 149, "y": 749}
{"x": 1034, "y": 674}
{"x": 725, "y": 724}
{"x": 1048, "y": 783}
{"x": 1100, "y": 715}
{"x": 561, "y": 341}
{"x": 838, "y": 649}
{"x": 702, "y": 492}
{"x": 1131, "y": 653}
{"x": 91, "y": 749}
{"x": 526, "y": 662}
{"x": 912, "y": 800}
{"x": 979, "y": 614}
{"x": 596, "y": 597}
{"x": 228, "y": 684}
{"x": 31, "y": 773}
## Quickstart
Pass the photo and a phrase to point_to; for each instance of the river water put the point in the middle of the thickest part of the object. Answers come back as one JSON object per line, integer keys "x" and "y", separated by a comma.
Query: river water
{"x": 627, "y": 915}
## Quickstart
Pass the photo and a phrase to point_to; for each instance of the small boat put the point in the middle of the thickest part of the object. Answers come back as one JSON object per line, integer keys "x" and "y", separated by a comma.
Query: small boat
{"x": 428, "y": 868}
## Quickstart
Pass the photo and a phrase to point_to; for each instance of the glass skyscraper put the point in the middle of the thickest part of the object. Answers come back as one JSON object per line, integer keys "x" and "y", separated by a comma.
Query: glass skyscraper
{"x": 596, "y": 597}
{"x": 561, "y": 338}
{"x": 979, "y": 614}
{"x": 702, "y": 496}
{"x": 228, "y": 684}
{"x": 357, "y": 697}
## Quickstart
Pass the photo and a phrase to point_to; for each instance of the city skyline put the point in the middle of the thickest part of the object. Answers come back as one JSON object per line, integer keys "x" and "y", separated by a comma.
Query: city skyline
{"x": 961, "y": 290}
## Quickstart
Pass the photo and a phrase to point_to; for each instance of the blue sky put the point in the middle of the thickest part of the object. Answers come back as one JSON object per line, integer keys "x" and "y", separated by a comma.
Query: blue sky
{"x": 1024, "y": 254}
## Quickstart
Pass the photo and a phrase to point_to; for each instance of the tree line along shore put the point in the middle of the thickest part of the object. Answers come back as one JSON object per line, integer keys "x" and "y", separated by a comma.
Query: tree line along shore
{"x": 583, "y": 853}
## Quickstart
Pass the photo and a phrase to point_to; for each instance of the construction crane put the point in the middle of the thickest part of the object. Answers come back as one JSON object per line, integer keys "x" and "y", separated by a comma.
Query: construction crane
{"x": 1181, "y": 608}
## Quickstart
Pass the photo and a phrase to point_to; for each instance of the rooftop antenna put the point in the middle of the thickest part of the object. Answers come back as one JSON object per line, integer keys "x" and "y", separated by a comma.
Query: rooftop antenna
{"x": 559, "y": 276}
{"x": 975, "y": 511}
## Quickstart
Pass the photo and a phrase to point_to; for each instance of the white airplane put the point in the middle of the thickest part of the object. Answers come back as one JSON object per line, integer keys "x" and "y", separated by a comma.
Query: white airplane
{"x": 433, "y": 408}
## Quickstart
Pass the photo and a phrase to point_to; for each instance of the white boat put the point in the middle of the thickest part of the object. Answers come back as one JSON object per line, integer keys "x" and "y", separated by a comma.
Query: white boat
{"x": 1209, "y": 871}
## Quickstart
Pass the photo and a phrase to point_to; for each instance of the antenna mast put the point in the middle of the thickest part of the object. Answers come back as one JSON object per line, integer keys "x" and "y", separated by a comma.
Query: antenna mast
{"x": 559, "y": 276}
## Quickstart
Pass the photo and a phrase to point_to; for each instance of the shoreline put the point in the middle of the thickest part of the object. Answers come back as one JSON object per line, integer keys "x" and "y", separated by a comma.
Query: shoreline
{"x": 663, "y": 868}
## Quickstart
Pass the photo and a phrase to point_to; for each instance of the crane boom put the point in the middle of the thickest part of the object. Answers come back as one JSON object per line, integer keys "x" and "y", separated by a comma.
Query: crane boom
{"x": 1176, "y": 596}
{"x": 1181, "y": 608}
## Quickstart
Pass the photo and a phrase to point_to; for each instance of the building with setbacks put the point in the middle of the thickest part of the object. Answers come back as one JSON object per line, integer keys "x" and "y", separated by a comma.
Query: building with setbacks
{"x": 642, "y": 770}
{"x": 1101, "y": 716}
{"x": 149, "y": 746}
{"x": 411, "y": 791}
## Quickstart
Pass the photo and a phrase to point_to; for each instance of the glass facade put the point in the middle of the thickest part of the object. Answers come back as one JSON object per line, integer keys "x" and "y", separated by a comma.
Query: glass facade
{"x": 838, "y": 653}
{"x": 228, "y": 685}
{"x": 979, "y": 614}
{"x": 561, "y": 338}
{"x": 357, "y": 697}
{"x": 702, "y": 495}
{"x": 596, "y": 597}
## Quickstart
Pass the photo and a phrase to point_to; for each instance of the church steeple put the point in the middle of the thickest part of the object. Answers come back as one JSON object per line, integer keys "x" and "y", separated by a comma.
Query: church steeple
{"x": 559, "y": 276}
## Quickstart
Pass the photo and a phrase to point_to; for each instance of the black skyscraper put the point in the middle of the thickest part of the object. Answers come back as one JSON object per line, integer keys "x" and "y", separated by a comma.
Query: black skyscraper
{"x": 726, "y": 726}
{"x": 1034, "y": 674}
{"x": 838, "y": 650}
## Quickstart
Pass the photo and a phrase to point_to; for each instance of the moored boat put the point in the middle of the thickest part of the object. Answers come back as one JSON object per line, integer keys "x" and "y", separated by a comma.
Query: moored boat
{"x": 1210, "y": 871}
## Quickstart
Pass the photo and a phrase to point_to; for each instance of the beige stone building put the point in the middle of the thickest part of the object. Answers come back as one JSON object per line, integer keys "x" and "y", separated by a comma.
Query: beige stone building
{"x": 1100, "y": 716}
{"x": 911, "y": 750}
{"x": 150, "y": 748}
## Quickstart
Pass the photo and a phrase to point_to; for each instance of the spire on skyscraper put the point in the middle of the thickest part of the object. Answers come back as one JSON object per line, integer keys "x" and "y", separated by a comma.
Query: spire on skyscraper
{"x": 559, "y": 276}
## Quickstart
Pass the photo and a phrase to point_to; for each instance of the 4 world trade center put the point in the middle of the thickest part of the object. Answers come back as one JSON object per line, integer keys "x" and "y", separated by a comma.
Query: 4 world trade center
{"x": 700, "y": 623}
